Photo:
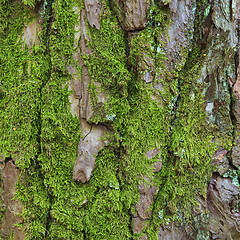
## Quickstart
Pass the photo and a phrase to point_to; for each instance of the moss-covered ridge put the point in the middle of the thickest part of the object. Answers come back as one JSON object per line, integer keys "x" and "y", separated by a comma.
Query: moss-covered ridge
{"x": 37, "y": 127}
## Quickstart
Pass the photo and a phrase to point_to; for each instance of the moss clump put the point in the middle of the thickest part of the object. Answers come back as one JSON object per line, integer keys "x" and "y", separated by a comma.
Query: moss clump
{"x": 31, "y": 3}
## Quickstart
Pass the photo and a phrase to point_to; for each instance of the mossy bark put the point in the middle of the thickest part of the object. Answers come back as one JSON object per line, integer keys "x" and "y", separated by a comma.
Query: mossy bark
{"x": 157, "y": 81}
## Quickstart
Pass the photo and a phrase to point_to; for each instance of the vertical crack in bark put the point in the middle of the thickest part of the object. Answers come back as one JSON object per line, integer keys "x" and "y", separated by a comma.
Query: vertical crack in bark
{"x": 88, "y": 133}
{"x": 231, "y": 113}
{"x": 232, "y": 101}
{"x": 230, "y": 9}
{"x": 49, "y": 21}
{"x": 48, "y": 17}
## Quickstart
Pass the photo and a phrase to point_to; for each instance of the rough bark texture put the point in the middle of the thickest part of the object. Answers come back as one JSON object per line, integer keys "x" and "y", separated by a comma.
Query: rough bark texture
{"x": 92, "y": 68}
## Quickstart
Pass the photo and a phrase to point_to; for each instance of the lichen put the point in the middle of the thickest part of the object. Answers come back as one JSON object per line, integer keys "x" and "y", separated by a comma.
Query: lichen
{"x": 234, "y": 175}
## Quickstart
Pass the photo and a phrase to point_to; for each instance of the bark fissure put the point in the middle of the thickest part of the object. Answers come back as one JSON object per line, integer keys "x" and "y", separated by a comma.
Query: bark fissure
{"x": 48, "y": 19}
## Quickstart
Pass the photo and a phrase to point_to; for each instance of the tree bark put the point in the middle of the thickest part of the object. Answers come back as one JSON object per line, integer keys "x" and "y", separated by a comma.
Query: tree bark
{"x": 120, "y": 119}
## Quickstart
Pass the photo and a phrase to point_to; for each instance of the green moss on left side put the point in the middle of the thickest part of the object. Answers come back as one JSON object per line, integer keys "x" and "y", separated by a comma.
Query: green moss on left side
{"x": 39, "y": 130}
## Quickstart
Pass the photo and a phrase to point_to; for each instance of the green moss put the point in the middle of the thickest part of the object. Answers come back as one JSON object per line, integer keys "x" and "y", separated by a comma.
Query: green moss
{"x": 31, "y": 3}
{"x": 37, "y": 127}
{"x": 39, "y": 130}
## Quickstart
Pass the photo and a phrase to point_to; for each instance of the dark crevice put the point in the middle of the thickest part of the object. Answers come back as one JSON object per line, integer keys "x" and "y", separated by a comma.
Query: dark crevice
{"x": 8, "y": 159}
{"x": 238, "y": 30}
{"x": 233, "y": 121}
{"x": 118, "y": 11}
{"x": 45, "y": 37}
{"x": 231, "y": 166}
{"x": 136, "y": 30}
{"x": 88, "y": 132}
{"x": 215, "y": 175}
{"x": 45, "y": 40}
{"x": 130, "y": 224}
{"x": 118, "y": 153}
{"x": 230, "y": 9}
{"x": 48, "y": 32}
{"x": 236, "y": 62}
{"x": 38, "y": 7}
{"x": 231, "y": 106}
{"x": 158, "y": 196}
{"x": 84, "y": 235}
{"x": 232, "y": 99}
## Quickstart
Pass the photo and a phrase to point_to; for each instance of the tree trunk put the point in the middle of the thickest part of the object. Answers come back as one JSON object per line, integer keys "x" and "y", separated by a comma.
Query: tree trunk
{"x": 120, "y": 119}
